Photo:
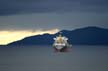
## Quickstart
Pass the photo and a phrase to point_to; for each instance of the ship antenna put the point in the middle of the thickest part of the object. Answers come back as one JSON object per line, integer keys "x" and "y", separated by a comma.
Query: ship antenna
{"x": 60, "y": 34}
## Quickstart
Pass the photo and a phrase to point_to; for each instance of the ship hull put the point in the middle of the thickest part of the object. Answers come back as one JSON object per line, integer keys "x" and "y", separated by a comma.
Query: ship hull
{"x": 61, "y": 44}
{"x": 63, "y": 49}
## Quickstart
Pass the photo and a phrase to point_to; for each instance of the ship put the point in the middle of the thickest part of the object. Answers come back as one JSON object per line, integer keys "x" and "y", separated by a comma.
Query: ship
{"x": 61, "y": 43}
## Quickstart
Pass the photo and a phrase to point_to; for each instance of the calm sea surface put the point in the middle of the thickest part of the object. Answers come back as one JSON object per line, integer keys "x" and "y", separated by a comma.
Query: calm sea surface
{"x": 43, "y": 58}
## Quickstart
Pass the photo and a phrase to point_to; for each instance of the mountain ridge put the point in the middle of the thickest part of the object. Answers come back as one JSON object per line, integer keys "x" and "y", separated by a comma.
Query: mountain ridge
{"x": 81, "y": 36}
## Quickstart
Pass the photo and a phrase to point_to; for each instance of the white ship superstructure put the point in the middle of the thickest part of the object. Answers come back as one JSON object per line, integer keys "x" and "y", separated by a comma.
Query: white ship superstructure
{"x": 60, "y": 43}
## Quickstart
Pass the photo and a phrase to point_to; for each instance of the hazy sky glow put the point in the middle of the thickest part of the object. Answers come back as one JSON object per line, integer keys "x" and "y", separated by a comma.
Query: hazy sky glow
{"x": 8, "y": 37}
{"x": 34, "y": 15}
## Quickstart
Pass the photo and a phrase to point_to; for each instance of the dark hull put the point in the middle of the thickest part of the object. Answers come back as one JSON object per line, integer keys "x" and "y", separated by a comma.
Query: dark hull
{"x": 64, "y": 49}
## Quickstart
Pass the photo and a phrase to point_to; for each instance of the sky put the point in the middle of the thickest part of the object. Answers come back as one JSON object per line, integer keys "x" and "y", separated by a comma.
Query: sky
{"x": 22, "y": 18}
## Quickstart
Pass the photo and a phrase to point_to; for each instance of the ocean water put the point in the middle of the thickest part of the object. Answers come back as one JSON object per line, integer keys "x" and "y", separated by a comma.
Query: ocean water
{"x": 43, "y": 58}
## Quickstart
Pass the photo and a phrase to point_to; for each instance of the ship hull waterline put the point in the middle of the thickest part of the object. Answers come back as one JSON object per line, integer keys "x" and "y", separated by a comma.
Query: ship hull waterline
{"x": 63, "y": 49}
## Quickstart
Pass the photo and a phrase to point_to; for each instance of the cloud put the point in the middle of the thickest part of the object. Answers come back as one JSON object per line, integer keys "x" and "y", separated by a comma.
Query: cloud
{"x": 47, "y": 21}
{"x": 32, "y": 15}
{"x": 51, "y": 14}
{"x": 44, "y": 6}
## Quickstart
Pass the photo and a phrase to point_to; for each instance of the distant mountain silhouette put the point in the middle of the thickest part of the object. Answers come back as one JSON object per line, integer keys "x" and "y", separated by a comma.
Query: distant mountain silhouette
{"x": 83, "y": 36}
